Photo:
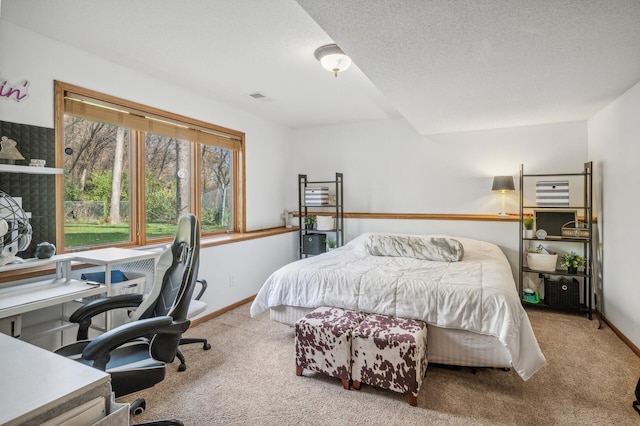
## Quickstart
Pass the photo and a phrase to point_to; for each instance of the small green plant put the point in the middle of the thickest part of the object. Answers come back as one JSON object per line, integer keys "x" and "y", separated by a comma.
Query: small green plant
{"x": 331, "y": 243}
{"x": 310, "y": 220}
{"x": 527, "y": 222}
{"x": 572, "y": 260}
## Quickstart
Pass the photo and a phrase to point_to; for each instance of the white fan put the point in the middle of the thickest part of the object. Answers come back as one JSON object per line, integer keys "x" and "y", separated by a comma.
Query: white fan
{"x": 15, "y": 230}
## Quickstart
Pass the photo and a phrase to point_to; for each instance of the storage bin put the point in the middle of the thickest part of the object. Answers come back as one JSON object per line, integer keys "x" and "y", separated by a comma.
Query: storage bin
{"x": 314, "y": 243}
{"x": 325, "y": 223}
{"x": 542, "y": 262}
{"x": 562, "y": 293}
{"x": 316, "y": 196}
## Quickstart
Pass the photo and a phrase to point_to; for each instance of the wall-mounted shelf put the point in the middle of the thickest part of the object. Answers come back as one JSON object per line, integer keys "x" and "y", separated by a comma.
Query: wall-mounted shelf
{"x": 12, "y": 168}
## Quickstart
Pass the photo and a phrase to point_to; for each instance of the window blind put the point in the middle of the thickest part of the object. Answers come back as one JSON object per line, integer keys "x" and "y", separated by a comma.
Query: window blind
{"x": 119, "y": 115}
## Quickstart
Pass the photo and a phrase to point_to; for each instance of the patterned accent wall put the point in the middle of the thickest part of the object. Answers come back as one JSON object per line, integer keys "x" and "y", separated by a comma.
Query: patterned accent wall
{"x": 37, "y": 191}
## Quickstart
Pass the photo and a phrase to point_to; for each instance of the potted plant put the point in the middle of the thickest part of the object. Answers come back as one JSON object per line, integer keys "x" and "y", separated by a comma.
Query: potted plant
{"x": 572, "y": 261}
{"x": 309, "y": 221}
{"x": 527, "y": 223}
{"x": 331, "y": 243}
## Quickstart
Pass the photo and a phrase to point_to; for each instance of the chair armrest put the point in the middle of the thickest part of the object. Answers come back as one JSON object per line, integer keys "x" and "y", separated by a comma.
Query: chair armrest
{"x": 98, "y": 349}
{"x": 83, "y": 314}
{"x": 105, "y": 304}
{"x": 203, "y": 287}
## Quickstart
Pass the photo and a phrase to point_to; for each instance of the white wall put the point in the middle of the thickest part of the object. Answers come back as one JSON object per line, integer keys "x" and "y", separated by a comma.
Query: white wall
{"x": 237, "y": 271}
{"x": 613, "y": 145}
{"x": 388, "y": 167}
{"x": 27, "y": 55}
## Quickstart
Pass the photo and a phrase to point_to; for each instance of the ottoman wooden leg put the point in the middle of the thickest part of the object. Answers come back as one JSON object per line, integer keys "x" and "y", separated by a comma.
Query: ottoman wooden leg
{"x": 356, "y": 384}
{"x": 345, "y": 384}
{"x": 413, "y": 400}
{"x": 298, "y": 370}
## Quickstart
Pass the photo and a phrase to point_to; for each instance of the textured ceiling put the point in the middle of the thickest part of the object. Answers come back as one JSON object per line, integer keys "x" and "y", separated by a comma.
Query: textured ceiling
{"x": 458, "y": 65}
{"x": 446, "y": 66}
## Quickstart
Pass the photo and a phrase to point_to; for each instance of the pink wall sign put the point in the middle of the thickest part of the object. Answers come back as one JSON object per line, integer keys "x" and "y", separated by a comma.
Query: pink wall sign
{"x": 17, "y": 92}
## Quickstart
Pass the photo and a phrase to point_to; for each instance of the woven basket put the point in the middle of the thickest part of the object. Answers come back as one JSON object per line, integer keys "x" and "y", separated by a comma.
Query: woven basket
{"x": 575, "y": 230}
{"x": 542, "y": 262}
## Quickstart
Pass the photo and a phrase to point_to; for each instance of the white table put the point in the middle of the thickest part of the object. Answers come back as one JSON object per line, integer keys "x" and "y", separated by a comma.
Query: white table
{"x": 19, "y": 298}
{"x": 38, "y": 385}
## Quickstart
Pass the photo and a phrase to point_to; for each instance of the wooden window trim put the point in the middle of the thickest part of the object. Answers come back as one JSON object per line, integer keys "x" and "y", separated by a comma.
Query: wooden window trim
{"x": 145, "y": 118}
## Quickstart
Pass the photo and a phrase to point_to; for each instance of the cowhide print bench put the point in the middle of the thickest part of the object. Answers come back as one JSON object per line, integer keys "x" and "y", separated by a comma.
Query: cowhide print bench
{"x": 390, "y": 353}
{"x": 323, "y": 342}
{"x": 378, "y": 350}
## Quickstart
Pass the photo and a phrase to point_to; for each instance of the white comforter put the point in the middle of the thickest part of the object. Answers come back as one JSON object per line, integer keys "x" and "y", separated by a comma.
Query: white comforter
{"x": 477, "y": 294}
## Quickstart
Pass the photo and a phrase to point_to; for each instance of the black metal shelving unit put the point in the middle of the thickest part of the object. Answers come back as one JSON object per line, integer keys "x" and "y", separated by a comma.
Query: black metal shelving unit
{"x": 585, "y": 213}
{"x": 335, "y": 209}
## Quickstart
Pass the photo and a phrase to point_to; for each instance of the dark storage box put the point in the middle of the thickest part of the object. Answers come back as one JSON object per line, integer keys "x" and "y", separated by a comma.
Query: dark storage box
{"x": 314, "y": 243}
{"x": 562, "y": 293}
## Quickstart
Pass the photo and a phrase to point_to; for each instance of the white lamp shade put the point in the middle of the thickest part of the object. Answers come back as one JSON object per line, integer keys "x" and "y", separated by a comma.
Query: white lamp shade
{"x": 332, "y": 58}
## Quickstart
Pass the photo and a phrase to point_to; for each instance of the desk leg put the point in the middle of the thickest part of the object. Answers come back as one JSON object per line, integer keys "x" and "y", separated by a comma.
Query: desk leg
{"x": 107, "y": 282}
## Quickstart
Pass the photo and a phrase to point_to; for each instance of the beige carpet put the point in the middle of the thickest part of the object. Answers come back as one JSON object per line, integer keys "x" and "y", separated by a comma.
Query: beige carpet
{"x": 248, "y": 378}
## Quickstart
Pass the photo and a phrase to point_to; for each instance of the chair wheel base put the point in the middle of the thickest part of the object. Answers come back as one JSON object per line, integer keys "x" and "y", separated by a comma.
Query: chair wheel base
{"x": 182, "y": 367}
{"x": 206, "y": 346}
{"x": 137, "y": 407}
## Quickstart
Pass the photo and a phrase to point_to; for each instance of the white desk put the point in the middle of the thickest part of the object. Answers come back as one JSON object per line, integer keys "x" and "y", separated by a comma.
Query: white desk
{"x": 29, "y": 297}
{"x": 26, "y": 297}
{"x": 38, "y": 384}
{"x": 108, "y": 257}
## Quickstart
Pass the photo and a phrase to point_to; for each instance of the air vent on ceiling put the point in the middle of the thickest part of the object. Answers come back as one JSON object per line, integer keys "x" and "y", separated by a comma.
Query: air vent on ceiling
{"x": 260, "y": 97}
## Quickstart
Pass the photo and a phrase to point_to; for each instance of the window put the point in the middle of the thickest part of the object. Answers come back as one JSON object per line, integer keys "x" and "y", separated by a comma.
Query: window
{"x": 130, "y": 171}
{"x": 167, "y": 182}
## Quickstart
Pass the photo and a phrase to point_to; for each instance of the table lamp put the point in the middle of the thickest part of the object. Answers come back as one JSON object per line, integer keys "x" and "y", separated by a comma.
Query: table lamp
{"x": 503, "y": 184}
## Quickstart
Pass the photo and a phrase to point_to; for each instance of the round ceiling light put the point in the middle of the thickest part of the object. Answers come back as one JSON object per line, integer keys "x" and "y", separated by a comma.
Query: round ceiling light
{"x": 332, "y": 58}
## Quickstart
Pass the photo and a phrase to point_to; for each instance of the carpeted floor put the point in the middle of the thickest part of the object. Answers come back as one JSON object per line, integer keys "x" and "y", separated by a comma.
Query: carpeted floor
{"x": 248, "y": 378}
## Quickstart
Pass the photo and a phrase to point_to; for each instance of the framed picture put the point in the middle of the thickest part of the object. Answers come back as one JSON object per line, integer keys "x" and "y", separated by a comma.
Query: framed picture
{"x": 552, "y": 220}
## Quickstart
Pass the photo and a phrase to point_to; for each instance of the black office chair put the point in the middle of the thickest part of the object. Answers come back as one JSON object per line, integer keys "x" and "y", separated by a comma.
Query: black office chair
{"x": 196, "y": 306}
{"x": 152, "y": 340}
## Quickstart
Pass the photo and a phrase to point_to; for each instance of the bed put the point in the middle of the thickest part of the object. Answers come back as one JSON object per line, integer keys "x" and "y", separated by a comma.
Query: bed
{"x": 470, "y": 304}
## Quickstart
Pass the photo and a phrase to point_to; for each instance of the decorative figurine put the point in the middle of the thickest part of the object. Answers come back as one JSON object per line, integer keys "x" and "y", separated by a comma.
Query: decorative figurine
{"x": 8, "y": 150}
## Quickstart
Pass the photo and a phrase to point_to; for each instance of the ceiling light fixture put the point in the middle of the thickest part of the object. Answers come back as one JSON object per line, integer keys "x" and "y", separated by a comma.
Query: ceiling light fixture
{"x": 332, "y": 58}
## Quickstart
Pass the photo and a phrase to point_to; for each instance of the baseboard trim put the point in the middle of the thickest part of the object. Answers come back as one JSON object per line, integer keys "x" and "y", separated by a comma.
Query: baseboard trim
{"x": 622, "y": 337}
{"x": 219, "y": 312}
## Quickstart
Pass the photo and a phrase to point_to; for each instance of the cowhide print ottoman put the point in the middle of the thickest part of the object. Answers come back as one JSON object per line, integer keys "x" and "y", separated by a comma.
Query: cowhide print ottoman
{"x": 390, "y": 353}
{"x": 323, "y": 342}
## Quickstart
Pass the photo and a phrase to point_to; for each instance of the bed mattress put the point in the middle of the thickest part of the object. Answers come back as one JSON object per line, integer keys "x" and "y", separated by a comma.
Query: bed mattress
{"x": 476, "y": 294}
